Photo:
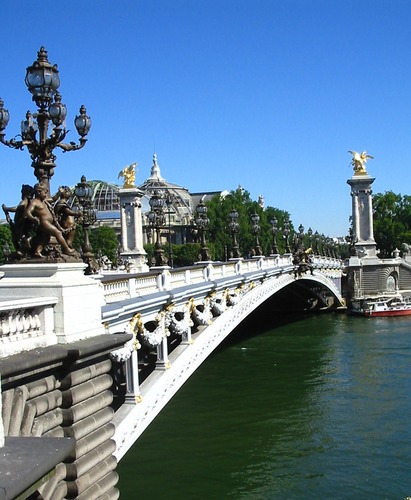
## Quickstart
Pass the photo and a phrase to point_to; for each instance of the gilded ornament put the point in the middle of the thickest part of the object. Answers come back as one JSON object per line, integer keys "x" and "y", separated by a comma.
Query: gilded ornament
{"x": 358, "y": 162}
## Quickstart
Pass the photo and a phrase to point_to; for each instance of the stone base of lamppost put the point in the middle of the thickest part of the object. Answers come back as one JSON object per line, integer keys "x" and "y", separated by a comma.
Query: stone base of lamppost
{"x": 77, "y": 313}
{"x": 135, "y": 262}
{"x": 158, "y": 259}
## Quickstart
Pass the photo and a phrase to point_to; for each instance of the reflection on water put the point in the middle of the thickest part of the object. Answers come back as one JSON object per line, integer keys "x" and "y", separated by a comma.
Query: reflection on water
{"x": 316, "y": 408}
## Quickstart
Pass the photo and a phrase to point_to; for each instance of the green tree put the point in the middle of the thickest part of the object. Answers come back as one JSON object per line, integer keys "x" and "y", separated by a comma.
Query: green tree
{"x": 219, "y": 236}
{"x": 103, "y": 240}
{"x": 392, "y": 221}
{"x": 5, "y": 239}
{"x": 185, "y": 255}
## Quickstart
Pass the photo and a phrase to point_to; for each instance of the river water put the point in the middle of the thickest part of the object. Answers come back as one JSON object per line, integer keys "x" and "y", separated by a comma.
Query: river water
{"x": 316, "y": 407}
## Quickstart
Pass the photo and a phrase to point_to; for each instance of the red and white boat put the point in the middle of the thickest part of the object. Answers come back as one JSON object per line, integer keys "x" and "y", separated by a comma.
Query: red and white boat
{"x": 395, "y": 306}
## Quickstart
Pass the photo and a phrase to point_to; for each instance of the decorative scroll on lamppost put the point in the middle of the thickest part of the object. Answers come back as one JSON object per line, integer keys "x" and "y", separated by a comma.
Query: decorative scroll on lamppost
{"x": 286, "y": 233}
{"x": 36, "y": 229}
{"x": 84, "y": 194}
{"x": 234, "y": 227}
{"x": 274, "y": 231}
{"x": 156, "y": 220}
{"x": 202, "y": 222}
{"x": 255, "y": 219}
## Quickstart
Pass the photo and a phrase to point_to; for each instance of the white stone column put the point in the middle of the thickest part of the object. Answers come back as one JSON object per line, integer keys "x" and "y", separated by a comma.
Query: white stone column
{"x": 133, "y": 389}
{"x": 362, "y": 216}
{"x": 132, "y": 229}
{"x": 163, "y": 362}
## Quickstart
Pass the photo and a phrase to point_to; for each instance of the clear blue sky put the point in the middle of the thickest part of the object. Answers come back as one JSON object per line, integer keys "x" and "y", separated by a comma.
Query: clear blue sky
{"x": 269, "y": 94}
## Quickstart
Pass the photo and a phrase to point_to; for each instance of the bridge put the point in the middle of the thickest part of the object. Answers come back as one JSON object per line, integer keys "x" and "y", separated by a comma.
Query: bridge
{"x": 184, "y": 314}
{"x": 88, "y": 362}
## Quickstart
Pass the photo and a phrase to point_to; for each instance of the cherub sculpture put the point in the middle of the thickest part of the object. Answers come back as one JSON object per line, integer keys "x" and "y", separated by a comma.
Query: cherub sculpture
{"x": 129, "y": 175}
{"x": 66, "y": 217}
{"x": 41, "y": 214}
{"x": 20, "y": 226}
{"x": 359, "y": 160}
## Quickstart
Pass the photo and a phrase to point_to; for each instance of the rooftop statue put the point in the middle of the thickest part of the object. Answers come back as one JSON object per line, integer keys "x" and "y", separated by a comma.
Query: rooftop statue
{"x": 129, "y": 175}
{"x": 359, "y": 160}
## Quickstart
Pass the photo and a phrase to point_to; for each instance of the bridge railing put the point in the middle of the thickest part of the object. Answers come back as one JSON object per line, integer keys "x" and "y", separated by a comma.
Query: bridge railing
{"x": 26, "y": 324}
{"x": 126, "y": 286}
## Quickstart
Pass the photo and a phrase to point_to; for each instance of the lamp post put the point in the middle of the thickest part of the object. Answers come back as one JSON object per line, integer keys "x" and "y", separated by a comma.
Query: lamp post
{"x": 234, "y": 229}
{"x": 255, "y": 219}
{"x": 170, "y": 247}
{"x": 202, "y": 222}
{"x": 156, "y": 220}
{"x": 310, "y": 237}
{"x": 286, "y": 233}
{"x": 42, "y": 80}
{"x": 84, "y": 194}
{"x": 301, "y": 237}
{"x": 274, "y": 231}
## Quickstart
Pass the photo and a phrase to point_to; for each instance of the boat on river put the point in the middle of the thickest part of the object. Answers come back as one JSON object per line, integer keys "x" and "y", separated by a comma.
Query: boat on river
{"x": 394, "y": 306}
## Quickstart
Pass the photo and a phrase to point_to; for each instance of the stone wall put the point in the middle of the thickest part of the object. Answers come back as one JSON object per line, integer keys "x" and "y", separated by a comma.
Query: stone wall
{"x": 64, "y": 391}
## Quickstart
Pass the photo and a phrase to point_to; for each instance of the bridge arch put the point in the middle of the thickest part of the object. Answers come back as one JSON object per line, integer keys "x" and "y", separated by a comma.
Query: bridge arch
{"x": 315, "y": 291}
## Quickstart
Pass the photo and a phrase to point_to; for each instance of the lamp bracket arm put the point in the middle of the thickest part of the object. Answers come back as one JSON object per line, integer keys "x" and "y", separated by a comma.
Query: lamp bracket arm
{"x": 13, "y": 143}
{"x": 72, "y": 146}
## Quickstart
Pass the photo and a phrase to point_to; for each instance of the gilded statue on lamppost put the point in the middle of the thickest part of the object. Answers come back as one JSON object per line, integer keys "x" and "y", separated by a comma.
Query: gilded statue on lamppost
{"x": 37, "y": 229}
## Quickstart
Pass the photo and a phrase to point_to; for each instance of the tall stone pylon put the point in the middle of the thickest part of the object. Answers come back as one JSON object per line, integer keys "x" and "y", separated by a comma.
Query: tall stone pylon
{"x": 362, "y": 211}
{"x": 131, "y": 222}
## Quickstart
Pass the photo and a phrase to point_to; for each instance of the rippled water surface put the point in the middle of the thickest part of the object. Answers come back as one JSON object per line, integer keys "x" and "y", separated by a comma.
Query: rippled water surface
{"x": 317, "y": 408}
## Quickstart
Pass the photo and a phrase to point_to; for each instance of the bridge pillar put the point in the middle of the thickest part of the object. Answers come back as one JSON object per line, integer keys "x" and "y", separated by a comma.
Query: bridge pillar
{"x": 133, "y": 388}
{"x": 132, "y": 229}
{"x": 162, "y": 362}
{"x": 362, "y": 216}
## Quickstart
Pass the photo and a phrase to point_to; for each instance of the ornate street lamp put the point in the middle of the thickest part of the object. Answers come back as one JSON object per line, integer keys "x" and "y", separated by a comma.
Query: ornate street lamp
{"x": 42, "y": 80}
{"x": 234, "y": 229}
{"x": 310, "y": 237}
{"x": 300, "y": 237}
{"x": 84, "y": 194}
{"x": 156, "y": 220}
{"x": 255, "y": 219}
{"x": 202, "y": 222}
{"x": 286, "y": 233}
{"x": 274, "y": 231}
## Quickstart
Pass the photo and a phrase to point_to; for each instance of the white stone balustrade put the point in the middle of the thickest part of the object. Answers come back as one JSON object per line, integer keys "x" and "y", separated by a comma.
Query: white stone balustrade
{"x": 127, "y": 286}
{"x": 26, "y": 324}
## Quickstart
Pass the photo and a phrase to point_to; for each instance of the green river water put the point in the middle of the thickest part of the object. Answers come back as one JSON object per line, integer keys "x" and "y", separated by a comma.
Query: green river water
{"x": 317, "y": 407}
